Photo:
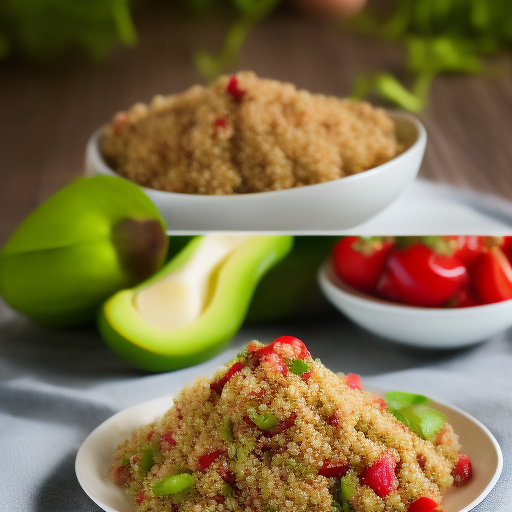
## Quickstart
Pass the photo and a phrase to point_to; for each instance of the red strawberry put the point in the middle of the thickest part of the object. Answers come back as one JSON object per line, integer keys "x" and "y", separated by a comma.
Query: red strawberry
{"x": 380, "y": 476}
{"x": 462, "y": 471}
{"x": 423, "y": 504}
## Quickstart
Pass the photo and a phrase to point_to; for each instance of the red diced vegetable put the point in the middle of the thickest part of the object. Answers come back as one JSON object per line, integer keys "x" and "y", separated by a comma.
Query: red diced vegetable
{"x": 333, "y": 469}
{"x": 122, "y": 475}
{"x": 233, "y": 88}
{"x": 220, "y": 122}
{"x": 227, "y": 476}
{"x": 423, "y": 504}
{"x": 380, "y": 476}
{"x": 462, "y": 471}
{"x": 353, "y": 381}
{"x": 333, "y": 420}
{"x": 206, "y": 460}
{"x": 140, "y": 497}
{"x": 150, "y": 435}
{"x": 167, "y": 442}
{"x": 219, "y": 384}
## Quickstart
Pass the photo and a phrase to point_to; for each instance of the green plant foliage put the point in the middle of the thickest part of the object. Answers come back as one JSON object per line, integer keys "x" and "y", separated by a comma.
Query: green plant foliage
{"x": 43, "y": 30}
{"x": 439, "y": 36}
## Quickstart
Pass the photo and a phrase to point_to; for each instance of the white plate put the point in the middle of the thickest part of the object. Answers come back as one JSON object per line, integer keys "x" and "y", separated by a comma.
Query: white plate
{"x": 334, "y": 205}
{"x": 436, "y": 328}
{"x": 95, "y": 455}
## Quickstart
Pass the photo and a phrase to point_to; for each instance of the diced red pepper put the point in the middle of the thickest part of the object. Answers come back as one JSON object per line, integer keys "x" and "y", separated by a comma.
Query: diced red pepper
{"x": 233, "y": 88}
{"x": 423, "y": 504}
{"x": 218, "y": 498}
{"x": 353, "y": 381}
{"x": 218, "y": 385}
{"x": 206, "y": 460}
{"x": 122, "y": 475}
{"x": 422, "y": 460}
{"x": 227, "y": 476}
{"x": 333, "y": 420}
{"x": 462, "y": 471}
{"x": 150, "y": 435}
{"x": 380, "y": 476}
{"x": 380, "y": 402}
{"x": 220, "y": 122}
{"x": 333, "y": 469}
{"x": 140, "y": 497}
{"x": 167, "y": 442}
{"x": 305, "y": 376}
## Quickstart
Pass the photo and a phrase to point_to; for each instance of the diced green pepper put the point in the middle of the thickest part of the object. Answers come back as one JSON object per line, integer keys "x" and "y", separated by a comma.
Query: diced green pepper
{"x": 173, "y": 484}
{"x": 146, "y": 460}
{"x": 299, "y": 367}
{"x": 264, "y": 421}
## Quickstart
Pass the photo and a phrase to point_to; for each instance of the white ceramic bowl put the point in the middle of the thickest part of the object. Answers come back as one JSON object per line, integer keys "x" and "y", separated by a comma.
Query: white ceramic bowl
{"x": 334, "y": 205}
{"x": 436, "y": 328}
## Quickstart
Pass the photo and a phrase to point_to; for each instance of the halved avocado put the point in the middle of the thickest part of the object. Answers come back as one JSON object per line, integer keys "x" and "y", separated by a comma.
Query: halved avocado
{"x": 167, "y": 322}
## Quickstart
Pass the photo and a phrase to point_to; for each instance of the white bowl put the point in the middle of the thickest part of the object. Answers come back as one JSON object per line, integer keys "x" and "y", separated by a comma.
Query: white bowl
{"x": 334, "y": 205}
{"x": 436, "y": 328}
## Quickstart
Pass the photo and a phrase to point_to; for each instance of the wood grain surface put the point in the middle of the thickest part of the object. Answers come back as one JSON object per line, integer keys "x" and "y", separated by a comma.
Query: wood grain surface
{"x": 48, "y": 113}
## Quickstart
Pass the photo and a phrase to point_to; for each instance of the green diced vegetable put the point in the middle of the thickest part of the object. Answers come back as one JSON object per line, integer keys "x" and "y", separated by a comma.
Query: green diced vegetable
{"x": 264, "y": 421}
{"x": 146, "y": 460}
{"x": 173, "y": 484}
{"x": 298, "y": 367}
{"x": 226, "y": 434}
{"x": 347, "y": 488}
{"x": 399, "y": 399}
{"x": 227, "y": 490}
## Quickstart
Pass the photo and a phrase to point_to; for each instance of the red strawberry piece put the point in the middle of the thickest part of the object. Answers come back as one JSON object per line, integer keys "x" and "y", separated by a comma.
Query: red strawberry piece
{"x": 380, "y": 476}
{"x": 333, "y": 469}
{"x": 206, "y": 460}
{"x": 218, "y": 385}
{"x": 462, "y": 471}
{"x": 233, "y": 88}
{"x": 353, "y": 381}
{"x": 423, "y": 504}
{"x": 122, "y": 475}
{"x": 140, "y": 497}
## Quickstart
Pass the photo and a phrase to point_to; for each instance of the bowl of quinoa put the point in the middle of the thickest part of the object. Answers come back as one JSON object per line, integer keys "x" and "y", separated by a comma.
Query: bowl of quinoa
{"x": 248, "y": 153}
{"x": 274, "y": 430}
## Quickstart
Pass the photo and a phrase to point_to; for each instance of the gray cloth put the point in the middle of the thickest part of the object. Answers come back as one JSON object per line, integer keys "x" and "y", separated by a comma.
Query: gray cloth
{"x": 56, "y": 387}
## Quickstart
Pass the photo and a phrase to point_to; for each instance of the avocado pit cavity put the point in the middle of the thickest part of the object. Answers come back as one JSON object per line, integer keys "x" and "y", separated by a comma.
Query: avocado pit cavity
{"x": 179, "y": 298}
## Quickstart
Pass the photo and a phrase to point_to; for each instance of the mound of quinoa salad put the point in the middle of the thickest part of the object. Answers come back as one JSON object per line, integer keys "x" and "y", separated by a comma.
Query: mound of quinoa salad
{"x": 277, "y": 431}
{"x": 245, "y": 134}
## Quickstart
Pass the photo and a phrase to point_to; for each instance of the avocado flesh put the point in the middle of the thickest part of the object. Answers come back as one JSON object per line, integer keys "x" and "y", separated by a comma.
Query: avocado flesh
{"x": 180, "y": 297}
{"x": 78, "y": 248}
{"x": 153, "y": 345}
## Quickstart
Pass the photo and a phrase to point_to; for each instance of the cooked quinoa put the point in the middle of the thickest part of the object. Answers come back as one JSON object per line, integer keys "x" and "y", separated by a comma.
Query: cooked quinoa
{"x": 277, "y": 431}
{"x": 246, "y": 134}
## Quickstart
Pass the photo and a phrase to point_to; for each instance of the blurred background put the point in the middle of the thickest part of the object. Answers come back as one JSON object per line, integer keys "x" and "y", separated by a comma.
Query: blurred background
{"x": 67, "y": 67}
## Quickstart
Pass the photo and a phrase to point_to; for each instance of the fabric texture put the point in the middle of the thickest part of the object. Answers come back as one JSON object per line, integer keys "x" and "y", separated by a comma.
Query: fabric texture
{"x": 57, "y": 386}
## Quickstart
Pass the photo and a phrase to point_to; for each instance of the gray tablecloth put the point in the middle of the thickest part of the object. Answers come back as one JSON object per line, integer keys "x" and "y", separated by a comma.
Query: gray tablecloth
{"x": 56, "y": 387}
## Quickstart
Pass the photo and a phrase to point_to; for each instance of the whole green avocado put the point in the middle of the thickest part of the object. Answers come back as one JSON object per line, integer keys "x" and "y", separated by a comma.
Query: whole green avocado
{"x": 90, "y": 239}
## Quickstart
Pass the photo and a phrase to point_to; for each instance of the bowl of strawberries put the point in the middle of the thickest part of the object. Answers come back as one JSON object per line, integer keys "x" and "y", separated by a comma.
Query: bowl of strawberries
{"x": 431, "y": 291}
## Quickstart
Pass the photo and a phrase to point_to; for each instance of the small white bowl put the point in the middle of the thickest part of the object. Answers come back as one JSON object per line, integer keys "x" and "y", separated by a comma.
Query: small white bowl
{"x": 334, "y": 205}
{"x": 436, "y": 328}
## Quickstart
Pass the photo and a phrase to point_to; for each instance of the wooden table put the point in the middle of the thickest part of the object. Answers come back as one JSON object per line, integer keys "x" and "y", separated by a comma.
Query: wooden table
{"x": 47, "y": 114}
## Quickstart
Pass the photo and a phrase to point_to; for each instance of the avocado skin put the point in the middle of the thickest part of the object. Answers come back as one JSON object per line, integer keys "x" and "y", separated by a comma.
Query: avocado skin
{"x": 290, "y": 288}
{"x": 153, "y": 348}
{"x": 65, "y": 258}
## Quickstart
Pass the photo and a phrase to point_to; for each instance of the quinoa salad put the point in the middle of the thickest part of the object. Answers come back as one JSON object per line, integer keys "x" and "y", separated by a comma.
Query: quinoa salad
{"x": 276, "y": 431}
{"x": 245, "y": 134}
